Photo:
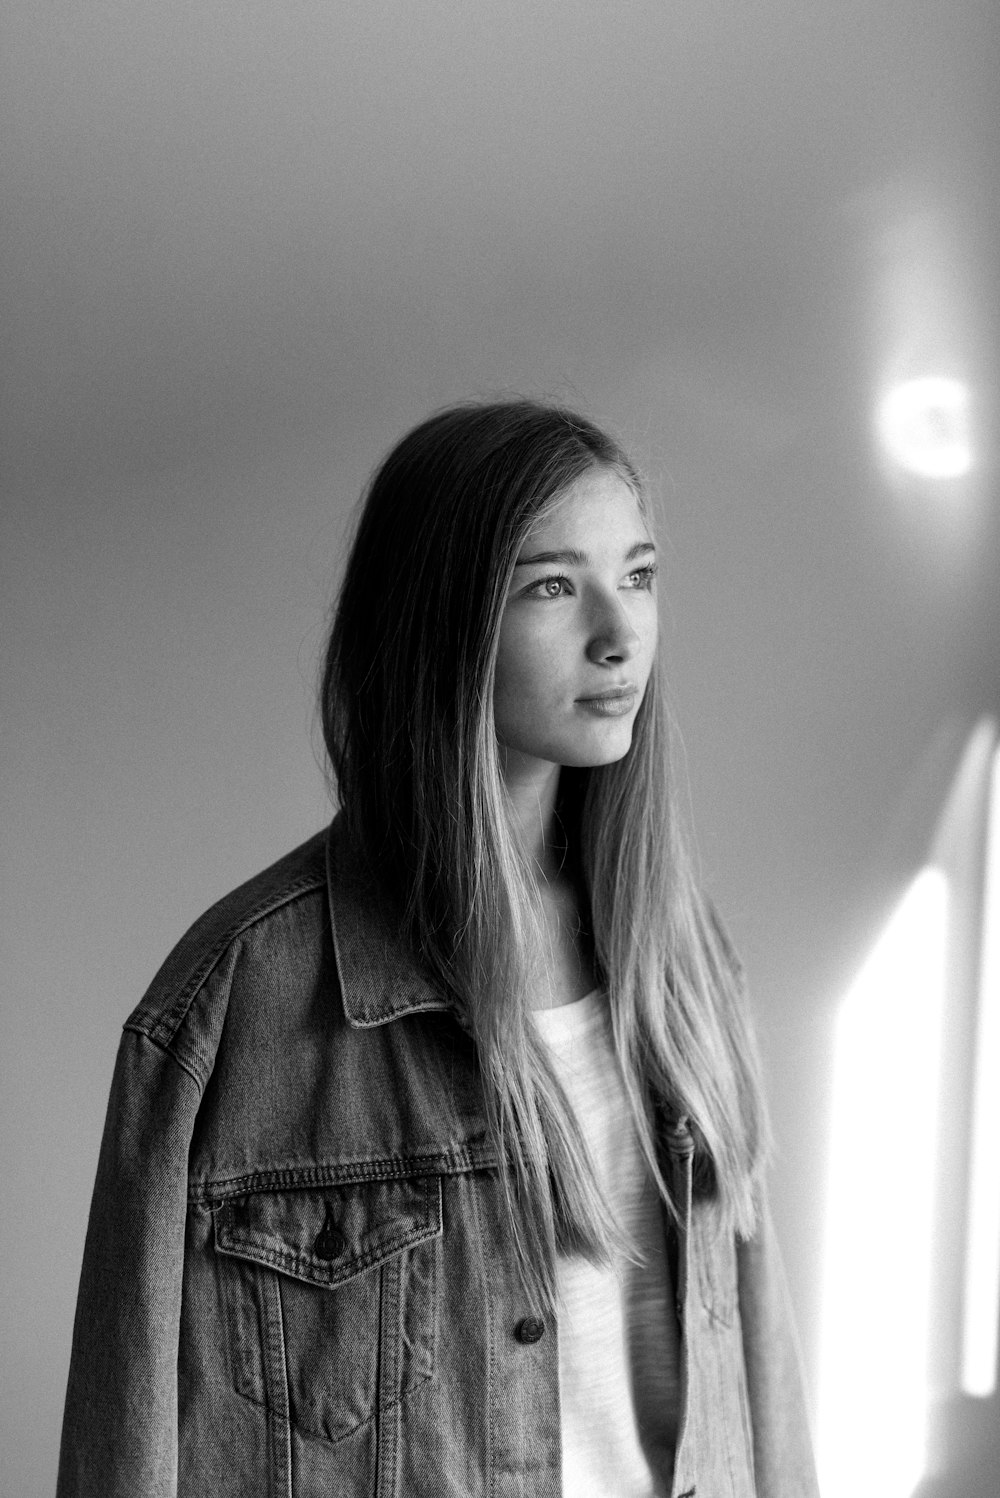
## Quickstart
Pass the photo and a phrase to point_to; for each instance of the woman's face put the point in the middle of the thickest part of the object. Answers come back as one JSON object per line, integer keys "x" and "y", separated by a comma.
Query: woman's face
{"x": 578, "y": 632}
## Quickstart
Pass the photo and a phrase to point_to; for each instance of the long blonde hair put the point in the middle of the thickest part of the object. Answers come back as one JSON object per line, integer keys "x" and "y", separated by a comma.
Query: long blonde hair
{"x": 407, "y": 711}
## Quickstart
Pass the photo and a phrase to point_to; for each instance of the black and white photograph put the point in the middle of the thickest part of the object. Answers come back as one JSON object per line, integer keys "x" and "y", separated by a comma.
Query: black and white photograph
{"x": 501, "y": 749}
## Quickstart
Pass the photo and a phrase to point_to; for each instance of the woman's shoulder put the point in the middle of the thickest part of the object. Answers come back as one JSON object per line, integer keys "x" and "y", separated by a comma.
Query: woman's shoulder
{"x": 272, "y": 924}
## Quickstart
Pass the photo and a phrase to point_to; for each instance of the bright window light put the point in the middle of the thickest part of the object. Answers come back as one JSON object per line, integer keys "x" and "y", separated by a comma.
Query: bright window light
{"x": 923, "y": 426}
{"x": 982, "y": 1262}
{"x": 876, "y": 1312}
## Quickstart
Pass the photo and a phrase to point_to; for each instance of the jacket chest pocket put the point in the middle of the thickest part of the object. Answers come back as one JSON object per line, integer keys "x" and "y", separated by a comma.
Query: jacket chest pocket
{"x": 330, "y": 1300}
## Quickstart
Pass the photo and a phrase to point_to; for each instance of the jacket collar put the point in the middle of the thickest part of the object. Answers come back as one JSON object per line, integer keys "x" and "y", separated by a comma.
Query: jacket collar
{"x": 379, "y": 980}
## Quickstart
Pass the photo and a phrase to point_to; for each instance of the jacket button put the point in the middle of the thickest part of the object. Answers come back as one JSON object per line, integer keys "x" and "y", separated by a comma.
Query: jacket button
{"x": 531, "y": 1329}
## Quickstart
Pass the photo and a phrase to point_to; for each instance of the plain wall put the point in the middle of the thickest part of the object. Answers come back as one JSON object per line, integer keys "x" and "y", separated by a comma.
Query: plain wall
{"x": 246, "y": 247}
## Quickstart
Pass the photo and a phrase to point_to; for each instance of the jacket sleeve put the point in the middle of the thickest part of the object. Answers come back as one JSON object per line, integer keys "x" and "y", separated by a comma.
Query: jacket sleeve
{"x": 782, "y": 1447}
{"x": 119, "y": 1436}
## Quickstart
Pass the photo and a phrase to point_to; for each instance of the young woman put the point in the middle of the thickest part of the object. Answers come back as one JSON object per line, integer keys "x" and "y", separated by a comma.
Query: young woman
{"x": 434, "y": 1157}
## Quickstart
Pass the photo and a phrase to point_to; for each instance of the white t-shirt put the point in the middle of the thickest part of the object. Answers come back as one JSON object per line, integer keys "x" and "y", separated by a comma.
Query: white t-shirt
{"x": 618, "y": 1335}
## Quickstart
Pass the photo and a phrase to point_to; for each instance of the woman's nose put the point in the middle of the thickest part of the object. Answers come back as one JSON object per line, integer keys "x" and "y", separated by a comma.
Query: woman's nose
{"x": 614, "y": 636}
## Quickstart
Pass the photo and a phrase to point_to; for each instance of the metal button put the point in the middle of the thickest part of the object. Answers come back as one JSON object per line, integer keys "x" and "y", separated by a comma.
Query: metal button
{"x": 531, "y": 1329}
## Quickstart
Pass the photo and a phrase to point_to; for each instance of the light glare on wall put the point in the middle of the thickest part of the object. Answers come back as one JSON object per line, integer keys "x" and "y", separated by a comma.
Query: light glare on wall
{"x": 877, "y": 1274}
{"x": 923, "y": 427}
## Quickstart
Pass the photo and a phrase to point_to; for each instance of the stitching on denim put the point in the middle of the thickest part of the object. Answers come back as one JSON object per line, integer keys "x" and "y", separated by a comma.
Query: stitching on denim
{"x": 168, "y": 1023}
{"x": 463, "y": 1161}
{"x": 306, "y": 1432}
{"x": 276, "y": 1387}
{"x": 301, "y": 1266}
{"x": 166, "y": 1051}
{"x": 492, "y": 1354}
{"x": 387, "y": 1374}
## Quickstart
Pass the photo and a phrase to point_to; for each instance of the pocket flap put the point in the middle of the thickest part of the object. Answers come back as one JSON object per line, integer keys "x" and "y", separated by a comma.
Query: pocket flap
{"x": 327, "y": 1235}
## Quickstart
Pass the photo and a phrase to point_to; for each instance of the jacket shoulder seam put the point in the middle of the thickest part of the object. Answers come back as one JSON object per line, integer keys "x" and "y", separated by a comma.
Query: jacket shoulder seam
{"x": 163, "y": 1028}
{"x": 130, "y": 1027}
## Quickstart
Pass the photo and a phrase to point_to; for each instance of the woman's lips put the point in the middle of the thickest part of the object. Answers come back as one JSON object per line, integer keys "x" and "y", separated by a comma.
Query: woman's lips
{"x": 611, "y": 704}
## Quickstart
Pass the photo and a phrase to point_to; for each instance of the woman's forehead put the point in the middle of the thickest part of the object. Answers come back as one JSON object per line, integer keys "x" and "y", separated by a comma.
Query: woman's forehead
{"x": 599, "y": 502}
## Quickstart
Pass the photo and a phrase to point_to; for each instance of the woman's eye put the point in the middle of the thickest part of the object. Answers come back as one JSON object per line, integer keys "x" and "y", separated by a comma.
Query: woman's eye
{"x": 550, "y": 587}
{"x": 644, "y": 576}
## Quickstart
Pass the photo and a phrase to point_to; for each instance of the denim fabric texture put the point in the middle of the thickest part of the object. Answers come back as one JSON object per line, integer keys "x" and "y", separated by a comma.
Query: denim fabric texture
{"x": 297, "y": 1282}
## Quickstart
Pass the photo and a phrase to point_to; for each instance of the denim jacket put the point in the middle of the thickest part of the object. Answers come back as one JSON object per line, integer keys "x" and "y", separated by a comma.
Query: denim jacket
{"x": 296, "y": 1281}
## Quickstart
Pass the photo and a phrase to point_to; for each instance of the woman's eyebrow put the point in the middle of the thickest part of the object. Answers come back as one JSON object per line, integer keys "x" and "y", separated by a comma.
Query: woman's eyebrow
{"x": 575, "y": 558}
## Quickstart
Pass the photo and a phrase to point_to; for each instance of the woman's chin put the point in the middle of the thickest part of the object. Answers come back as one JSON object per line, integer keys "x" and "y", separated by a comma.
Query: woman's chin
{"x": 601, "y": 749}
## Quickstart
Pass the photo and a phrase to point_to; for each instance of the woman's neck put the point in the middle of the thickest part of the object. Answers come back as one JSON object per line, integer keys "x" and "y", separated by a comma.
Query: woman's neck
{"x": 566, "y": 967}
